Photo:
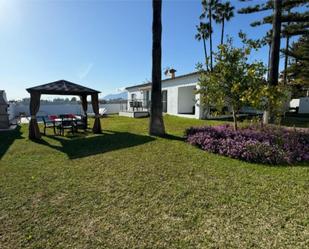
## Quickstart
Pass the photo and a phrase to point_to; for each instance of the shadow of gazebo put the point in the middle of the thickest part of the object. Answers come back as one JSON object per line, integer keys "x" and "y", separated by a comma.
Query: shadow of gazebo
{"x": 62, "y": 87}
{"x": 83, "y": 146}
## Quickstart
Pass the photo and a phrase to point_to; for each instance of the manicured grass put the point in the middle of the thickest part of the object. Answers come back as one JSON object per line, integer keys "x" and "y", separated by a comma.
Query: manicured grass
{"x": 124, "y": 189}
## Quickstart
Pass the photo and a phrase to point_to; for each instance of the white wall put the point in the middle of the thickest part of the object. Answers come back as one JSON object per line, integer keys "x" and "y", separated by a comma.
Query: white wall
{"x": 48, "y": 109}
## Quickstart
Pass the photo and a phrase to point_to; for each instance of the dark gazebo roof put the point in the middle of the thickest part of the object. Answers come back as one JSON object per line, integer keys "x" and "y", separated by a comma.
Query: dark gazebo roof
{"x": 62, "y": 87}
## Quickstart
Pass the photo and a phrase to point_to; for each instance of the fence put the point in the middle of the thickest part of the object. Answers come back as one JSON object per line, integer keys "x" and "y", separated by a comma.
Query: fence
{"x": 16, "y": 109}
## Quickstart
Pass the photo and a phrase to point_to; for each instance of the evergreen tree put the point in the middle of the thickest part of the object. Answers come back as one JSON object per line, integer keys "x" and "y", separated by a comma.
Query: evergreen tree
{"x": 298, "y": 70}
{"x": 286, "y": 20}
{"x": 295, "y": 22}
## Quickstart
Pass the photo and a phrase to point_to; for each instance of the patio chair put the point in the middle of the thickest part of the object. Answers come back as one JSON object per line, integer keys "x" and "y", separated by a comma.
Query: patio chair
{"x": 67, "y": 124}
{"x": 81, "y": 123}
{"x": 49, "y": 124}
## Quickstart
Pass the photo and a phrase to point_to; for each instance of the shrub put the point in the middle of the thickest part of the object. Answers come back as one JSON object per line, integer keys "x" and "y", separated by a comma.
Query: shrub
{"x": 268, "y": 145}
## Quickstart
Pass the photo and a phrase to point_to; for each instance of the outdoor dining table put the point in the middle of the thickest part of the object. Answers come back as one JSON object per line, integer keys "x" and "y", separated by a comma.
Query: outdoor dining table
{"x": 58, "y": 122}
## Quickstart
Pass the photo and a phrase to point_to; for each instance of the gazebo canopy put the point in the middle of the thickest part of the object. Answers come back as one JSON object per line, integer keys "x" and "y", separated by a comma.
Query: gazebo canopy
{"x": 62, "y": 87}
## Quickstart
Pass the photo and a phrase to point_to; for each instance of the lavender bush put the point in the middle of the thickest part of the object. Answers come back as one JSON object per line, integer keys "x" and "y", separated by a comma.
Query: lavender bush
{"x": 268, "y": 145}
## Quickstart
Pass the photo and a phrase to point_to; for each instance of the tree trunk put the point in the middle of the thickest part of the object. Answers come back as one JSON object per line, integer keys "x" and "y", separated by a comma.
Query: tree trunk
{"x": 275, "y": 44}
{"x": 266, "y": 112}
{"x": 265, "y": 117}
{"x": 286, "y": 58}
{"x": 210, "y": 37}
{"x": 268, "y": 63}
{"x": 222, "y": 31}
{"x": 156, "y": 126}
{"x": 275, "y": 50}
{"x": 235, "y": 120}
{"x": 205, "y": 52}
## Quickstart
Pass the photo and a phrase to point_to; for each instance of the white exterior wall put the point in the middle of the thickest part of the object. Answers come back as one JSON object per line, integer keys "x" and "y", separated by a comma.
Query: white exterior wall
{"x": 173, "y": 98}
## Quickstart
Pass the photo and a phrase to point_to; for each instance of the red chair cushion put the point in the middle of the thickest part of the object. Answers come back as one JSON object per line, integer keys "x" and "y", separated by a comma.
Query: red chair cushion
{"x": 52, "y": 117}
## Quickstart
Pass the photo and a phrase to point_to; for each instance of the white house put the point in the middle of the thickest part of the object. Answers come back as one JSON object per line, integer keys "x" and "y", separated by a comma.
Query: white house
{"x": 178, "y": 96}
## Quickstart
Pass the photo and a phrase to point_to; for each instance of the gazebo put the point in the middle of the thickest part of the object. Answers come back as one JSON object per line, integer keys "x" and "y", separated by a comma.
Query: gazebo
{"x": 62, "y": 87}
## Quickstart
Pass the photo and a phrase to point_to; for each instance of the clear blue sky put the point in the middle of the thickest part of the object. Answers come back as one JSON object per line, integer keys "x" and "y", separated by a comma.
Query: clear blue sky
{"x": 102, "y": 44}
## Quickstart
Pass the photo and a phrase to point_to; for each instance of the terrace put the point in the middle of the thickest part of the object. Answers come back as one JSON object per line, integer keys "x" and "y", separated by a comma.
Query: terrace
{"x": 125, "y": 189}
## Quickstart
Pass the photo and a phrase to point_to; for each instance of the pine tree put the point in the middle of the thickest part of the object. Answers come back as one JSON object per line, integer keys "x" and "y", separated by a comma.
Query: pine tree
{"x": 285, "y": 21}
{"x": 295, "y": 22}
{"x": 298, "y": 70}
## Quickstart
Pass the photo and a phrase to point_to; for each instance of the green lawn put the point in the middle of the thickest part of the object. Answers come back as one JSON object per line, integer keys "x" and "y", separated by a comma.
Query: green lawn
{"x": 124, "y": 189}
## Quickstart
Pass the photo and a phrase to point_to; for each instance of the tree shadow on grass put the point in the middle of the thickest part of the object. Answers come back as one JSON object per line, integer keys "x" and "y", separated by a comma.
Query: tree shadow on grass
{"x": 80, "y": 146}
{"x": 173, "y": 137}
{"x": 7, "y": 138}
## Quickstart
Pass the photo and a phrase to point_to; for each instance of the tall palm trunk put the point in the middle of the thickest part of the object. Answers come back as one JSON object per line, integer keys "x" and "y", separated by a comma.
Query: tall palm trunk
{"x": 275, "y": 52}
{"x": 222, "y": 31}
{"x": 156, "y": 126}
{"x": 210, "y": 36}
{"x": 205, "y": 52}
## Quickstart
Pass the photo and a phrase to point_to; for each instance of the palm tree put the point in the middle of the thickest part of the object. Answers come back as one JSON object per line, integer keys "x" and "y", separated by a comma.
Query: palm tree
{"x": 209, "y": 6}
{"x": 156, "y": 126}
{"x": 224, "y": 12}
{"x": 203, "y": 33}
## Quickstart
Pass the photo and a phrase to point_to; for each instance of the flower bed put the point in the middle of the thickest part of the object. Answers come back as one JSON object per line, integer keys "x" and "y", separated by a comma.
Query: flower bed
{"x": 268, "y": 145}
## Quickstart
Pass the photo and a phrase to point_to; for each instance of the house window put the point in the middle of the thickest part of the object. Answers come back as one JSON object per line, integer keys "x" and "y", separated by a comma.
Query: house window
{"x": 133, "y": 96}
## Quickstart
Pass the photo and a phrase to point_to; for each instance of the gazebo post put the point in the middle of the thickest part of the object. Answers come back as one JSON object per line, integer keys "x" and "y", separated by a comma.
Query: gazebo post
{"x": 95, "y": 106}
{"x": 34, "y": 131}
{"x": 85, "y": 107}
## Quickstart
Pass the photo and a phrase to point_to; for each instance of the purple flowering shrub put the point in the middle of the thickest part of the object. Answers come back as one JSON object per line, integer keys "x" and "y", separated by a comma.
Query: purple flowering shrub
{"x": 268, "y": 145}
